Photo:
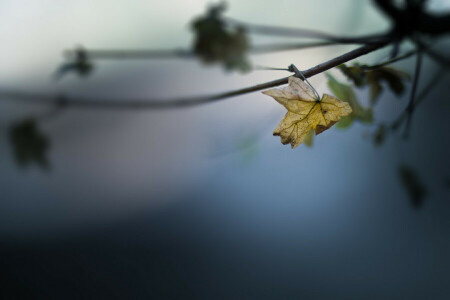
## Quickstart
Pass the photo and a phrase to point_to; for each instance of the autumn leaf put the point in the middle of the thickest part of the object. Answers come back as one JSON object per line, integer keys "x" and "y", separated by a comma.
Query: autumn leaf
{"x": 305, "y": 111}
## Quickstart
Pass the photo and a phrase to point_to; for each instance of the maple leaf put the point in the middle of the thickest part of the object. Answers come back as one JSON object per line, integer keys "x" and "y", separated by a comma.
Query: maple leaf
{"x": 305, "y": 111}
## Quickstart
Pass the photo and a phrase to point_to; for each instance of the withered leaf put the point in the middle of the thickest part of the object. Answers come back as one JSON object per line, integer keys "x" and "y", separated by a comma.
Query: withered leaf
{"x": 305, "y": 112}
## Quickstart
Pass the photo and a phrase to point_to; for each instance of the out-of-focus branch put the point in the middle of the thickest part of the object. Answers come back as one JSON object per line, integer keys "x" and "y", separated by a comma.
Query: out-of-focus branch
{"x": 68, "y": 101}
{"x": 438, "y": 76}
{"x": 307, "y": 33}
{"x": 437, "y": 57}
{"x": 391, "y": 61}
{"x": 414, "y": 18}
{"x": 184, "y": 53}
{"x": 411, "y": 104}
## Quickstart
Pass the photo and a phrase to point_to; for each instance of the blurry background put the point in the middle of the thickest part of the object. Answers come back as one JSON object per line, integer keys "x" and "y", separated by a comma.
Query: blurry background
{"x": 204, "y": 202}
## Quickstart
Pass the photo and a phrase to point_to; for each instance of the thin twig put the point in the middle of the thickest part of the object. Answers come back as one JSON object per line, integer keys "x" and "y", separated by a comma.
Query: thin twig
{"x": 390, "y": 61}
{"x": 133, "y": 54}
{"x": 264, "y": 68}
{"x": 67, "y": 101}
{"x": 300, "y": 75}
{"x": 307, "y": 33}
{"x": 437, "y": 57}
{"x": 438, "y": 76}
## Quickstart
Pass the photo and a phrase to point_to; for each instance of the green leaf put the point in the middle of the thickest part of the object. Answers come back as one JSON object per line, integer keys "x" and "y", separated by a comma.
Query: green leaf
{"x": 345, "y": 122}
{"x": 248, "y": 146}
{"x": 361, "y": 76}
{"x": 354, "y": 73}
{"x": 346, "y": 93}
{"x": 393, "y": 77}
{"x": 309, "y": 139}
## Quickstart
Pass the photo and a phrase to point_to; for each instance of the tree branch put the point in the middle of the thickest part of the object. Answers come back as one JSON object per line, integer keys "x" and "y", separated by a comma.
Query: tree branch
{"x": 437, "y": 57}
{"x": 438, "y": 76}
{"x": 410, "y": 108}
{"x": 414, "y": 18}
{"x": 307, "y": 33}
{"x": 66, "y": 101}
{"x": 390, "y": 61}
{"x": 96, "y": 54}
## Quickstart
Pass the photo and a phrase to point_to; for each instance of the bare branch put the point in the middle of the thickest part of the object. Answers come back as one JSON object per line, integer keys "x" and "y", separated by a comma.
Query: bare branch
{"x": 391, "y": 61}
{"x": 437, "y": 57}
{"x": 438, "y": 76}
{"x": 307, "y": 33}
{"x": 66, "y": 101}
{"x": 97, "y": 54}
{"x": 410, "y": 107}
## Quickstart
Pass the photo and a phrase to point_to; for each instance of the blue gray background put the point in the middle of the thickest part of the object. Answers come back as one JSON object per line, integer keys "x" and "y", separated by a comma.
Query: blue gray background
{"x": 204, "y": 202}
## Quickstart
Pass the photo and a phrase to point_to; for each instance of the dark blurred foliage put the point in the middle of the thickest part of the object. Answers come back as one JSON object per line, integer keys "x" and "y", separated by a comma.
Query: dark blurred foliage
{"x": 380, "y": 135}
{"x": 216, "y": 42}
{"x": 78, "y": 63}
{"x": 362, "y": 77}
{"x": 412, "y": 184}
{"x": 29, "y": 144}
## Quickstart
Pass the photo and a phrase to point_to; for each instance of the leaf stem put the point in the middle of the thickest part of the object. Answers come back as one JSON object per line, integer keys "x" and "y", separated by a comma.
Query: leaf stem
{"x": 297, "y": 72}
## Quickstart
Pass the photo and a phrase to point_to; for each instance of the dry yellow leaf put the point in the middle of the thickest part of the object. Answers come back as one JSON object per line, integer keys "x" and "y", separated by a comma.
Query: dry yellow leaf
{"x": 305, "y": 111}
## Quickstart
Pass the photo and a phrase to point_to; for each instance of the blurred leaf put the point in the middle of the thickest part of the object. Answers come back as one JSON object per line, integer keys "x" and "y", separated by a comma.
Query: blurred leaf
{"x": 309, "y": 139}
{"x": 345, "y": 122}
{"x": 375, "y": 89}
{"x": 393, "y": 77}
{"x": 29, "y": 144}
{"x": 354, "y": 73}
{"x": 305, "y": 112}
{"x": 412, "y": 184}
{"x": 78, "y": 64}
{"x": 345, "y": 93}
{"x": 380, "y": 135}
{"x": 216, "y": 42}
{"x": 361, "y": 76}
{"x": 248, "y": 147}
